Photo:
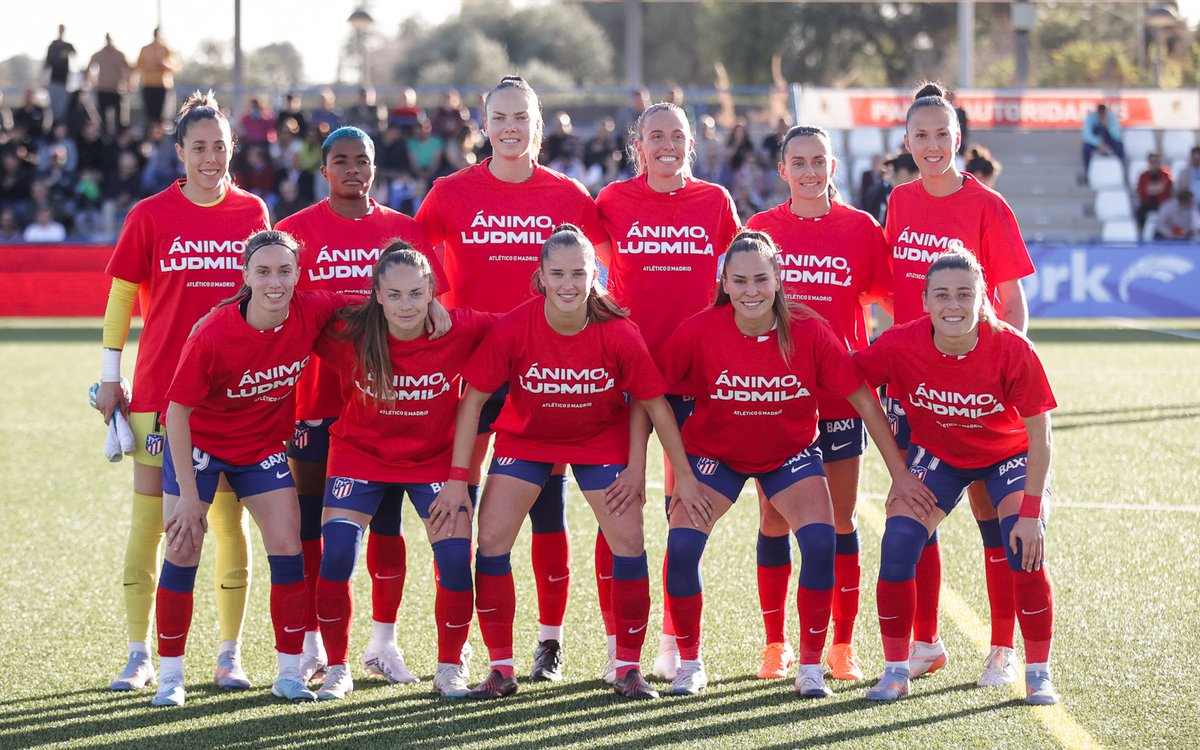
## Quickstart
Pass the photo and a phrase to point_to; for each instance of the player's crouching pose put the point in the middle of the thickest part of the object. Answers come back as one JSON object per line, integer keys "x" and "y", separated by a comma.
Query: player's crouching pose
{"x": 978, "y": 407}
{"x": 570, "y": 357}
{"x": 230, "y": 409}
{"x": 755, "y": 362}
{"x": 394, "y": 436}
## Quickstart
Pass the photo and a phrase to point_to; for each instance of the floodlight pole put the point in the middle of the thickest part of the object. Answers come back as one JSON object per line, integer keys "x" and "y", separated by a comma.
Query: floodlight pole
{"x": 633, "y": 43}
{"x": 966, "y": 44}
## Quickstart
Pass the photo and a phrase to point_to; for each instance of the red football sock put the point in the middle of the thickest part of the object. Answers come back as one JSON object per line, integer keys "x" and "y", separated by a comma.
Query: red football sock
{"x": 897, "y": 601}
{"x": 631, "y": 608}
{"x": 847, "y": 575}
{"x": 453, "y": 611}
{"x": 686, "y": 613}
{"x": 1000, "y": 596}
{"x": 1035, "y": 609}
{"x": 929, "y": 589}
{"x": 312, "y": 571}
{"x": 813, "y": 606}
{"x": 668, "y": 626}
{"x": 335, "y": 612}
{"x": 772, "y": 599}
{"x": 288, "y": 605}
{"x": 552, "y": 571}
{"x": 496, "y": 605}
{"x": 604, "y": 583}
{"x": 173, "y": 612}
{"x": 386, "y": 562}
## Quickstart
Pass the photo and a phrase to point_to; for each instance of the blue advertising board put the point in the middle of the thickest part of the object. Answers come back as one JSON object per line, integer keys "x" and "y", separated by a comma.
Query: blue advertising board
{"x": 1125, "y": 281}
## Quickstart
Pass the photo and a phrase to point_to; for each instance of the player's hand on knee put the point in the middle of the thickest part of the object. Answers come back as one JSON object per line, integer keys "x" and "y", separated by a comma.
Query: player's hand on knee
{"x": 1032, "y": 538}
{"x": 628, "y": 489}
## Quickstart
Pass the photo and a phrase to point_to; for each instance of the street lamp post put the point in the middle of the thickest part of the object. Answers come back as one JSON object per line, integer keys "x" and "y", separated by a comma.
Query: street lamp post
{"x": 1023, "y": 17}
{"x": 362, "y": 23}
{"x": 1159, "y": 19}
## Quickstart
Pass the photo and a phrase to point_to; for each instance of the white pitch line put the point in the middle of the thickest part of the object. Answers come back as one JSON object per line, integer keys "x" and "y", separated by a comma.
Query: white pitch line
{"x": 1057, "y": 720}
{"x": 1181, "y": 333}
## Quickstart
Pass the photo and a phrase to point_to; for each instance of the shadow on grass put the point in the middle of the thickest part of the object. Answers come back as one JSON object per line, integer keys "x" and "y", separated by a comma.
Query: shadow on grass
{"x": 69, "y": 334}
{"x": 561, "y": 715}
{"x": 1074, "y": 420}
{"x": 1106, "y": 336}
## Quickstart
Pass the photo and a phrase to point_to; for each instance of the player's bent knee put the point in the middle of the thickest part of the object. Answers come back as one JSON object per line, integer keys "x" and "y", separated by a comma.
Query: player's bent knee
{"x": 685, "y": 547}
{"x": 342, "y": 539}
{"x": 817, "y": 542}
{"x": 903, "y": 540}
{"x": 453, "y": 558}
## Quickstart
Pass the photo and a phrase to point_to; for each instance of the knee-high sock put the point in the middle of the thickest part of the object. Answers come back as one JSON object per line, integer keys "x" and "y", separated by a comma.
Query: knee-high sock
{"x": 310, "y": 543}
{"x": 1035, "y": 608}
{"x": 999, "y": 583}
{"x": 174, "y": 611}
{"x": 604, "y": 582}
{"x": 814, "y": 593}
{"x": 631, "y": 608}
{"x": 341, "y": 540}
{"x": 141, "y": 563}
{"x": 929, "y": 590}
{"x": 896, "y": 592}
{"x": 551, "y": 550}
{"x": 496, "y": 604}
{"x": 230, "y": 526}
{"x": 453, "y": 603}
{"x": 685, "y": 588}
{"x": 387, "y": 564}
{"x": 668, "y": 625}
{"x": 847, "y": 578}
{"x": 774, "y": 557}
{"x": 288, "y": 602}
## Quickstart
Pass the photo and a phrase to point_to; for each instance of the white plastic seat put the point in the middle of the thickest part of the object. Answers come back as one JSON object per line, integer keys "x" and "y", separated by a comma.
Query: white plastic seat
{"x": 1151, "y": 225}
{"x": 1139, "y": 143}
{"x": 1119, "y": 230}
{"x": 1105, "y": 172}
{"x": 1112, "y": 204}
{"x": 1136, "y": 167}
{"x": 1176, "y": 144}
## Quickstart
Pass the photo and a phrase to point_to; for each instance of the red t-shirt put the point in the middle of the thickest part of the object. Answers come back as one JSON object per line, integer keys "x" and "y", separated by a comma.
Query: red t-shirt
{"x": 186, "y": 258}
{"x": 754, "y": 410}
{"x": 241, "y": 382}
{"x": 339, "y": 255}
{"x": 920, "y": 227}
{"x": 965, "y": 410}
{"x": 566, "y": 400}
{"x": 412, "y": 438}
{"x": 666, "y": 248}
{"x": 831, "y": 263}
{"x": 492, "y": 231}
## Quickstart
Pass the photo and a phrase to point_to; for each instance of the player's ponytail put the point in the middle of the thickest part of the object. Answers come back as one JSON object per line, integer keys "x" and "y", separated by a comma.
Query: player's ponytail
{"x": 761, "y": 244}
{"x": 366, "y": 325}
{"x": 251, "y": 245}
{"x": 932, "y": 94}
{"x": 962, "y": 259}
{"x": 600, "y": 304}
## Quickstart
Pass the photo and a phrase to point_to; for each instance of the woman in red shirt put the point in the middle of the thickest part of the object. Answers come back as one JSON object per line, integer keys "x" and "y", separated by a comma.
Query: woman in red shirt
{"x": 490, "y": 220}
{"x": 574, "y": 363}
{"x": 668, "y": 231}
{"x": 756, "y": 362}
{"x": 978, "y": 405}
{"x": 230, "y": 408}
{"x": 833, "y": 259}
{"x": 391, "y": 440}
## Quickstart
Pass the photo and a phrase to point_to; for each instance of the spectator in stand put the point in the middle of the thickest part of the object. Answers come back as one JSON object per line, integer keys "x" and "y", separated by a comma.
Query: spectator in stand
{"x": 425, "y": 155}
{"x": 963, "y": 127}
{"x": 289, "y": 202}
{"x": 898, "y": 170}
{"x": 458, "y": 151}
{"x": 258, "y": 124}
{"x": 108, "y": 72}
{"x": 6, "y": 118}
{"x": 16, "y": 180}
{"x": 395, "y": 171}
{"x": 366, "y": 114}
{"x": 44, "y": 228}
{"x": 95, "y": 151}
{"x": 162, "y": 164}
{"x": 449, "y": 117}
{"x": 1154, "y": 187}
{"x": 327, "y": 116}
{"x": 1101, "y": 132}
{"x": 1178, "y": 217}
{"x": 870, "y": 180}
{"x": 59, "y": 139}
{"x": 556, "y": 144}
{"x": 257, "y": 176}
{"x": 31, "y": 118}
{"x": 639, "y": 99}
{"x": 406, "y": 114}
{"x": 299, "y": 179}
{"x": 711, "y": 164}
{"x": 56, "y": 70}
{"x": 291, "y": 117}
{"x": 10, "y": 228}
{"x": 127, "y": 143}
{"x": 603, "y": 144}
{"x": 58, "y": 178}
{"x": 122, "y": 189}
{"x": 156, "y": 67}
{"x": 1189, "y": 176}
{"x": 88, "y": 215}
{"x": 983, "y": 166}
